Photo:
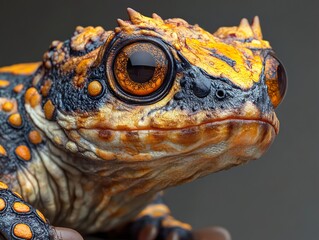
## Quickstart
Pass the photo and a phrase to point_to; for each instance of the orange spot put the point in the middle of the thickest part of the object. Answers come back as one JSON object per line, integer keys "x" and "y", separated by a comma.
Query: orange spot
{"x": 35, "y": 137}
{"x": 169, "y": 222}
{"x": 32, "y": 97}
{"x": 49, "y": 109}
{"x": 46, "y": 88}
{"x": 21, "y": 69}
{"x": 18, "y": 195}
{"x": 18, "y": 88}
{"x": 41, "y": 216}
{"x": 95, "y": 88}
{"x": 7, "y": 106}
{"x": 23, "y": 152}
{"x": 156, "y": 211}
{"x": 4, "y": 83}
{"x": 23, "y": 231}
{"x": 21, "y": 207}
{"x": 3, "y": 185}
{"x": 2, "y": 204}
{"x": 15, "y": 120}
{"x": 3, "y": 152}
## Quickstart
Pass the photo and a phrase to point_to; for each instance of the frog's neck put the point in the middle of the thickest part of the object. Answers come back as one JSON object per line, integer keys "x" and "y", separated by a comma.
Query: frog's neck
{"x": 71, "y": 185}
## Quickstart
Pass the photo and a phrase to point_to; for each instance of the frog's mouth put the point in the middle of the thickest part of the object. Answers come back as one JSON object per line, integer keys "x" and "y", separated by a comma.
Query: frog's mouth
{"x": 252, "y": 136}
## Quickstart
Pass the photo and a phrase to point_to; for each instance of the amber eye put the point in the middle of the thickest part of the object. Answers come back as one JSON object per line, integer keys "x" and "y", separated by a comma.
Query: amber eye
{"x": 140, "y": 68}
{"x": 276, "y": 80}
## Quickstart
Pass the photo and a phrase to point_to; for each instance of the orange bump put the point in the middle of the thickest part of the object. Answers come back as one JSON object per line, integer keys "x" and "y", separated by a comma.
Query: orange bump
{"x": 49, "y": 109}
{"x": 7, "y": 106}
{"x": 40, "y": 214}
{"x": 4, "y": 83}
{"x": 3, "y": 152}
{"x": 21, "y": 207}
{"x": 32, "y": 97}
{"x": 22, "y": 231}
{"x": 18, "y": 88}
{"x": 95, "y": 88}
{"x": 35, "y": 137}
{"x": 46, "y": 88}
{"x": 18, "y": 195}
{"x": 2, "y": 204}
{"x": 3, "y": 185}
{"x": 23, "y": 152}
{"x": 15, "y": 120}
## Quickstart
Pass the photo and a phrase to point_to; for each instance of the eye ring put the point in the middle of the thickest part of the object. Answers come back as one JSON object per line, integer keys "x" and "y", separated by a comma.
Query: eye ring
{"x": 117, "y": 86}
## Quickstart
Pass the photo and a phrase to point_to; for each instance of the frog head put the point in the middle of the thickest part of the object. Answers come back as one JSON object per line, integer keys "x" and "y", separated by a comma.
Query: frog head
{"x": 161, "y": 99}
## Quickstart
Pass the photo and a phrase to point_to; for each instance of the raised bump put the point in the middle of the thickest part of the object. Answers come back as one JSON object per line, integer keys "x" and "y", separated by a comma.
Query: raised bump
{"x": 22, "y": 231}
{"x": 7, "y": 106}
{"x": 41, "y": 216}
{"x": 23, "y": 152}
{"x": 15, "y": 120}
{"x": 35, "y": 137}
{"x": 20, "y": 207}
{"x": 3, "y": 185}
{"x": 18, "y": 88}
{"x": 3, "y": 151}
{"x": 95, "y": 88}
{"x": 32, "y": 97}
{"x": 49, "y": 110}
{"x": 2, "y": 204}
{"x": 4, "y": 83}
{"x": 18, "y": 195}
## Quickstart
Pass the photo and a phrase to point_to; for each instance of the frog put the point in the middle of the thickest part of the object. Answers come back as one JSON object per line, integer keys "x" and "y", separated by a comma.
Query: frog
{"x": 92, "y": 135}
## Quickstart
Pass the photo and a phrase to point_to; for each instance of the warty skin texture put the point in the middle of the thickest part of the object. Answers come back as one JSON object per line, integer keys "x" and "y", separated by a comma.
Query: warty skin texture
{"x": 100, "y": 151}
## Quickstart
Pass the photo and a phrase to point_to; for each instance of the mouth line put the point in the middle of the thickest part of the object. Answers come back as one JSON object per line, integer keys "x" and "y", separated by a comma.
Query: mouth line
{"x": 273, "y": 124}
{"x": 219, "y": 121}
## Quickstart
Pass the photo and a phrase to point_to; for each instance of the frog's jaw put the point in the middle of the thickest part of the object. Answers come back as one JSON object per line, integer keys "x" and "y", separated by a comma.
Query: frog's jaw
{"x": 152, "y": 160}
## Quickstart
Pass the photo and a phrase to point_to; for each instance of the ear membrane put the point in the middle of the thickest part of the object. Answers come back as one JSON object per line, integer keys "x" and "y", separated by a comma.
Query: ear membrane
{"x": 275, "y": 79}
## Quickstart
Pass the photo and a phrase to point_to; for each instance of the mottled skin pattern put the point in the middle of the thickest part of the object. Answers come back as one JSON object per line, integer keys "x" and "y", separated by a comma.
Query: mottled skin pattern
{"x": 91, "y": 148}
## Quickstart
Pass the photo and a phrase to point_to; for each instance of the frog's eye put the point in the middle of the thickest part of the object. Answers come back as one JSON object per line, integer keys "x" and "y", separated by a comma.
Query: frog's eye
{"x": 275, "y": 79}
{"x": 141, "y": 71}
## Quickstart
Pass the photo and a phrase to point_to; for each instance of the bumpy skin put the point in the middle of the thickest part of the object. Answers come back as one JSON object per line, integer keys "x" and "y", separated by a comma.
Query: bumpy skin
{"x": 91, "y": 148}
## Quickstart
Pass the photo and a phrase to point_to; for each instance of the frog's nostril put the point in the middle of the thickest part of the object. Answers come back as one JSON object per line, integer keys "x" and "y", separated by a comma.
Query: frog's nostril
{"x": 220, "y": 94}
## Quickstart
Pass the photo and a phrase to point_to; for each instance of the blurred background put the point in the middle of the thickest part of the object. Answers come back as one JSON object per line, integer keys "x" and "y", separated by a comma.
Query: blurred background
{"x": 275, "y": 197}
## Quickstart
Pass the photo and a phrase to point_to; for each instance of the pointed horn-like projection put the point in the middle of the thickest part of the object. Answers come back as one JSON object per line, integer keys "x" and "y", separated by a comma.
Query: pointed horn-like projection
{"x": 122, "y": 23}
{"x": 256, "y": 28}
{"x": 245, "y": 27}
{"x": 157, "y": 17}
{"x": 134, "y": 16}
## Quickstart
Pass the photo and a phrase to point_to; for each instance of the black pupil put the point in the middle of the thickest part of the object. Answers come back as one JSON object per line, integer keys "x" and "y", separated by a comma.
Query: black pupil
{"x": 141, "y": 66}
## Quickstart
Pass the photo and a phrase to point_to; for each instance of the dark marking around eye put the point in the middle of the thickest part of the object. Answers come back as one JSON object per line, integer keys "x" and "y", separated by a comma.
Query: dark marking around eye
{"x": 227, "y": 60}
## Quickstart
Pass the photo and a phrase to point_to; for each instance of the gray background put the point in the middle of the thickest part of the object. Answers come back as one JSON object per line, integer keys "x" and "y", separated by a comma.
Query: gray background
{"x": 276, "y": 197}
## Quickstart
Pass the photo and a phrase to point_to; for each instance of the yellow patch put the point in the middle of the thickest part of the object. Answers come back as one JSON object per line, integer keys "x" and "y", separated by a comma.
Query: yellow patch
{"x": 227, "y": 53}
{"x": 21, "y": 69}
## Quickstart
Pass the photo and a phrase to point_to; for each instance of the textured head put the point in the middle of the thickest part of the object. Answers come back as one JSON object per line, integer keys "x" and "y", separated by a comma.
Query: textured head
{"x": 163, "y": 94}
